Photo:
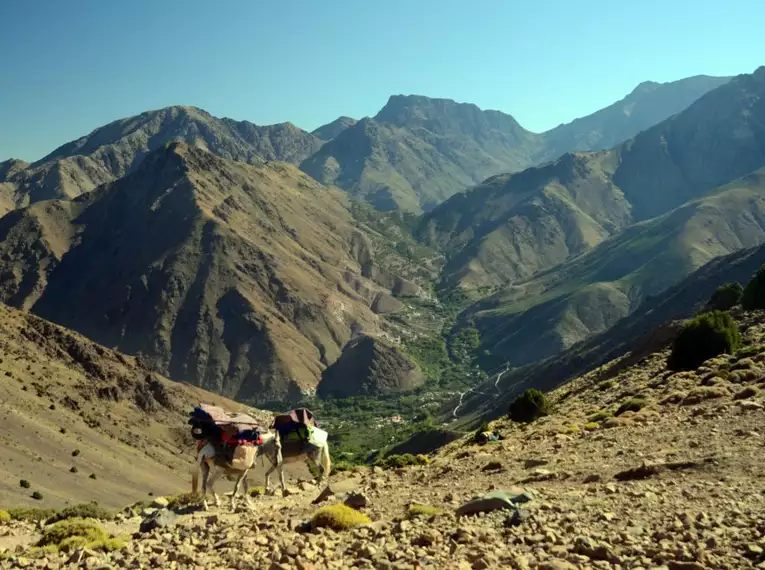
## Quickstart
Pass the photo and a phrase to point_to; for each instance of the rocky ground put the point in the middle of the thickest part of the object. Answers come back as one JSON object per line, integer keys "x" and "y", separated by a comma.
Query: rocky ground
{"x": 677, "y": 483}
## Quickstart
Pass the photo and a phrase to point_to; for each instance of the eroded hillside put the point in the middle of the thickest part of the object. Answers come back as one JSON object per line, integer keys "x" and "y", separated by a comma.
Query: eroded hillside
{"x": 245, "y": 280}
{"x": 83, "y": 423}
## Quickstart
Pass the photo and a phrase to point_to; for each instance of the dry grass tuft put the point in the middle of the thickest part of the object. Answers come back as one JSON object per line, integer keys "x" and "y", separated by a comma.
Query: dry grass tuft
{"x": 338, "y": 517}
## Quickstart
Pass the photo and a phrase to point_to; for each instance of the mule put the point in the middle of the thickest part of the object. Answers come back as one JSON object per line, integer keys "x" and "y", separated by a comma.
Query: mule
{"x": 271, "y": 448}
{"x": 207, "y": 463}
{"x": 316, "y": 455}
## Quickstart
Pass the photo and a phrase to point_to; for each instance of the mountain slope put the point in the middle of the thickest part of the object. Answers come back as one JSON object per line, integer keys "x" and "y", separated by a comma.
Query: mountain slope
{"x": 244, "y": 280}
{"x": 651, "y": 327}
{"x": 514, "y": 226}
{"x": 61, "y": 392}
{"x": 115, "y": 149}
{"x": 559, "y": 307}
{"x": 649, "y": 104}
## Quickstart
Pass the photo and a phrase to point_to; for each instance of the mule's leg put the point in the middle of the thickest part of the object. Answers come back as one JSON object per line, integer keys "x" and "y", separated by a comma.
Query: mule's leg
{"x": 326, "y": 463}
{"x": 281, "y": 476}
{"x": 242, "y": 475}
{"x": 205, "y": 468}
{"x": 213, "y": 478}
{"x": 246, "y": 484}
{"x": 268, "y": 477}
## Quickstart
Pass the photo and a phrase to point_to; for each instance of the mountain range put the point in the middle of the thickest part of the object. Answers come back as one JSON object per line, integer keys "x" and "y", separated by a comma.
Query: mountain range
{"x": 242, "y": 259}
{"x": 414, "y": 153}
{"x": 577, "y": 244}
{"x": 245, "y": 280}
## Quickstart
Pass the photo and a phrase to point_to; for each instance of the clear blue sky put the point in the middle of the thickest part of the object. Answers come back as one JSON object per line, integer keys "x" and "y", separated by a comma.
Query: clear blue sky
{"x": 69, "y": 66}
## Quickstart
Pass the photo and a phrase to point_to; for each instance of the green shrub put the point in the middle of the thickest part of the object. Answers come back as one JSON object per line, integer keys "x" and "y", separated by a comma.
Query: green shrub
{"x": 530, "y": 405}
{"x": 25, "y": 484}
{"x": 341, "y": 466}
{"x": 92, "y": 476}
{"x": 590, "y": 426}
{"x": 37, "y": 496}
{"x": 706, "y": 336}
{"x": 184, "y": 500}
{"x": 83, "y": 511}
{"x": 257, "y": 491}
{"x": 416, "y": 510}
{"x": 71, "y": 534}
{"x": 404, "y": 460}
{"x": 726, "y": 297}
{"x": 600, "y": 416}
{"x": 607, "y": 385}
{"x": 749, "y": 351}
{"x": 5, "y": 517}
{"x": 631, "y": 405}
{"x": 338, "y": 517}
{"x": 73, "y": 469}
{"x": 30, "y": 514}
{"x": 75, "y": 453}
{"x": 754, "y": 292}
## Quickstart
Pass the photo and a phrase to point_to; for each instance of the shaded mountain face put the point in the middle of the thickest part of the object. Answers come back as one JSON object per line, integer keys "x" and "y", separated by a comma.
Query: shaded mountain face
{"x": 370, "y": 367}
{"x": 244, "y": 280}
{"x": 513, "y": 226}
{"x": 418, "y": 151}
{"x": 651, "y": 327}
{"x": 332, "y": 130}
{"x": 562, "y": 306}
{"x": 117, "y": 148}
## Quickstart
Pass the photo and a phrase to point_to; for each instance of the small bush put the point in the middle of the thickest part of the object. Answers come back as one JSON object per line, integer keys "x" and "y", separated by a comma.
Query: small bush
{"x": 706, "y": 336}
{"x": 25, "y": 484}
{"x": 92, "y": 476}
{"x": 416, "y": 510}
{"x": 726, "y": 297}
{"x": 754, "y": 292}
{"x": 83, "y": 511}
{"x": 71, "y": 534}
{"x": 750, "y": 351}
{"x": 530, "y": 405}
{"x": 591, "y": 426}
{"x": 493, "y": 466}
{"x": 341, "y": 466}
{"x": 404, "y": 460}
{"x": 600, "y": 416}
{"x": 37, "y": 496}
{"x": 5, "y": 517}
{"x": 73, "y": 469}
{"x": 631, "y": 405}
{"x": 30, "y": 514}
{"x": 76, "y": 452}
{"x": 257, "y": 491}
{"x": 338, "y": 517}
{"x": 185, "y": 500}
